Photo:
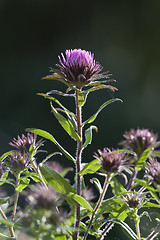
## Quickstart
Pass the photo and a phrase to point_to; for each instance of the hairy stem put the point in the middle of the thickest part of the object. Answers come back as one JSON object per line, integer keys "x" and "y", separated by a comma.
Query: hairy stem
{"x": 107, "y": 229}
{"x": 154, "y": 233}
{"x": 107, "y": 180}
{"x": 78, "y": 160}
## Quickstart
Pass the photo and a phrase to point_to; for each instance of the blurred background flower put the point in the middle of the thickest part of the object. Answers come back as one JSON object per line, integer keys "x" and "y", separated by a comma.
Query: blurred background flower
{"x": 124, "y": 36}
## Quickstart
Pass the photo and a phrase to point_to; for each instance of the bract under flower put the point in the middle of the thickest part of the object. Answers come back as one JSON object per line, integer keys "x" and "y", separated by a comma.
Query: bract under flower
{"x": 113, "y": 161}
{"x": 77, "y": 69}
{"x": 154, "y": 171}
{"x": 139, "y": 140}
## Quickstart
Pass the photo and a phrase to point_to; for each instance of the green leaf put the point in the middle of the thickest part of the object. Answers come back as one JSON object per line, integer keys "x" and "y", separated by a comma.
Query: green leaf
{"x": 50, "y": 155}
{"x": 65, "y": 124}
{"x": 5, "y": 155}
{"x": 97, "y": 184}
{"x": 101, "y": 86}
{"x": 150, "y": 188}
{"x": 115, "y": 206}
{"x": 67, "y": 112}
{"x": 121, "y": 212}
{"x": 23, "y": 184}
{"x": 117, "y": 187}
{"x": 142, "y": 159}
{"x": 8, "y": 223}
{"x": 126, "y": 228}
{"x": 81, "y": 201}
{"x": 56, "y": 180}
{"x": 149, "y": 204}
{"x": 48, "y": 136}
{"x": 88, "y": 135}
{"x": 93, "y": 117}
{"x": 8, "y": 181}
{"x": 32, "y": 175}
{"x": 60, "y": 237}
{"x": 91, "y": 167}
{"x": 4, "y": 200}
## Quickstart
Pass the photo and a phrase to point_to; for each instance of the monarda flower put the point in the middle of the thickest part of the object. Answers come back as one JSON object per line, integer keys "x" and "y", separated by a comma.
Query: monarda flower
{"x": 28, "y": 143}
{"x": 112, "y": 161}
{"x": 78, "y": 69}
{"x": 154, "y": 171}
{"x": 139, "y": 140}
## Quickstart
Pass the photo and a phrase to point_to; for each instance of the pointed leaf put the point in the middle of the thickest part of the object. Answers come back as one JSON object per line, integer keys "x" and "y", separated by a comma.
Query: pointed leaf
{"x": 6, "y": 154}
{"x": 24, "y": 183}
{"x": 97, "y": 184}
{"x": 60, "y": 237}
{"x": 69, "y": 113}
{"x": 48, "y": 136}
{"x": 142, "y": 159}
{"x": 150, "y": 188}
{"x": 93, "y": 117}
{"x": 91, "y": 167}
{"x": 81, "y": 201}
{"x": 88, "y": 135}
{"x": 4, "y": 200}
{"x": 56, "y": 180}
{"x": 102, "y": 86}
{"x": 65, "y": 124}
{"x": 50, "y": 155}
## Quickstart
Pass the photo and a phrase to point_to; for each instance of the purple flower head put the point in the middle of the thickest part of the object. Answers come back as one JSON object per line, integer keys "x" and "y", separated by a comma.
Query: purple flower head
{"x": 41, "y": 197}
{"x": 17, "y": 162}
{"x": 25, "y": 143}
{"x": 88, "y": 194}
{"x": 77, "y": 68}
{"x": 154, "y": 171}
{"x": 112, "y": 161}
{"x": 139, "y": 140}
{"x": 135, "y": 200}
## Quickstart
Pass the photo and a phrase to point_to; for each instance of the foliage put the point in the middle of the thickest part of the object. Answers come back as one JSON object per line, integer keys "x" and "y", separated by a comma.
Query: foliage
{"x": 57, "y": 209}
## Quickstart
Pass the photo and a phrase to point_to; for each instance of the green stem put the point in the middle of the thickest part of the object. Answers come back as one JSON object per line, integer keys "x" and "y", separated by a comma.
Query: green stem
{"x": 137, "y": 227}
{"x": 130, "y": 185}
{"x": 16, "y": 197}
{"x": 5, "y": 218}
{"x": 2, "y": 235}
{"x": 78, "y": 160}
{"x": 15, "y": 205}
{"x": 107, "y": 180}
{"x": 107, "y": 229}
{"x": 154, "y": 233}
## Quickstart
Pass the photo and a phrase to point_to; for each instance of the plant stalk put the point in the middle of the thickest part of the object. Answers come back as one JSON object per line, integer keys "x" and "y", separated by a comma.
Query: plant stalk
{"x": 78, "y": 160}
{"x": 36, "y": 168}
{"x": 106, "y": 183}
{"x": 107, "y": 229}
{"x": 16, "y": 197}
{"x": 154, "y": 233}
{"x": 137, "y": 221}
{"x": 5, "y": 218}
{"x": 130, "y": 185}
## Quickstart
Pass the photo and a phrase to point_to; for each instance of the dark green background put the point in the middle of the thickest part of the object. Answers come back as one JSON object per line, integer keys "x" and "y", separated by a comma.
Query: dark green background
{"x": 125, "y": 37}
